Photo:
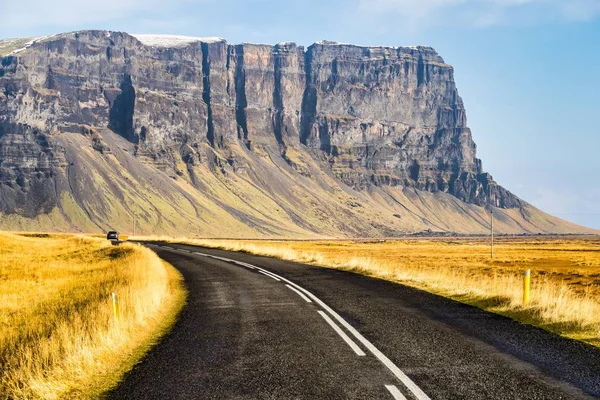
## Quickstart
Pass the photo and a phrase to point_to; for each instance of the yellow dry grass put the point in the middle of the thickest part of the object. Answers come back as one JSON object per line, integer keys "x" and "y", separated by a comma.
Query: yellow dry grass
{"x": 565, "y": 296}
{"x": 58, "y": 335}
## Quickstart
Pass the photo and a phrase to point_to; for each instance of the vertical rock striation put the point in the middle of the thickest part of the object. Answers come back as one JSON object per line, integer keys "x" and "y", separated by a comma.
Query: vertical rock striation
{"x": 367, "y": 116}
{"x": 393, "y": 116}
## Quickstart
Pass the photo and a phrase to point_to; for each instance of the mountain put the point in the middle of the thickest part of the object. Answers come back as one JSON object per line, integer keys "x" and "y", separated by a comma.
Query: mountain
{"x": 200, "y": 137}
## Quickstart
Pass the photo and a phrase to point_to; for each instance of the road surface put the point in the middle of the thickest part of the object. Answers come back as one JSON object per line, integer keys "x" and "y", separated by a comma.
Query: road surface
{"x": 261, "y": 328}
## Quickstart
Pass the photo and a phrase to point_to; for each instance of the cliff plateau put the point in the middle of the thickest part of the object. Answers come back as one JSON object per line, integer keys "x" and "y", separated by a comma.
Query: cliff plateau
{"x": 201, "y": 137}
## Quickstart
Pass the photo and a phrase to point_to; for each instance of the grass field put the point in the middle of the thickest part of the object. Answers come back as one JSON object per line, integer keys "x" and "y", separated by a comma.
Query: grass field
{"x": 58, "y": 335}
{"x": 565, "y": 291}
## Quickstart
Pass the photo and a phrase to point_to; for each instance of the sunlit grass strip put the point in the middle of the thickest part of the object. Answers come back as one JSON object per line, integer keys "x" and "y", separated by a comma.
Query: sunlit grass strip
{"x": 58, "y": 335}
{"x": 564, "y": 296}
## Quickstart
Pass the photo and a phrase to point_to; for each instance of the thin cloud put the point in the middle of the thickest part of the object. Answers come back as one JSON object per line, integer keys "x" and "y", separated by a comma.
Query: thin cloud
{"x": 569, "y": 203}
{"x": 32, "y": 13}
{"x": 62, "y": 12}
{"x": 482, "y": 12}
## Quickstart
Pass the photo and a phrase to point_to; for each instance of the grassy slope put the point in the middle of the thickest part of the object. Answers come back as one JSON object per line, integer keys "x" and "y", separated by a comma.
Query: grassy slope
{"x": 58, "y": 336}
{"x": 565, "y": 295}
{"x": 7, "y": 46}
{"x": 268, "y": 198}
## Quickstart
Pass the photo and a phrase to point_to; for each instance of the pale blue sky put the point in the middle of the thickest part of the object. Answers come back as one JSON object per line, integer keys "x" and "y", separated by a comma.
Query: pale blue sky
{"x": 528, "y": 70}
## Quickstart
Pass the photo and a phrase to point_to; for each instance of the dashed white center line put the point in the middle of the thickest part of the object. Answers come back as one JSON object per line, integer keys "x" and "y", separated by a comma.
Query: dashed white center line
{"x": 410, "y": 385}
{"x": 221, "y": 258}
{"x": 340, "y": 332}
{"x": 243, "y": 264}
{"x": 299, "y": 293}
{"x": 167, "y": 247}
{"x": 272, "y": 274}
{"x": 395, "y": 392}
{"x": 269, "y": 275}
{"x": 419, "y": 394}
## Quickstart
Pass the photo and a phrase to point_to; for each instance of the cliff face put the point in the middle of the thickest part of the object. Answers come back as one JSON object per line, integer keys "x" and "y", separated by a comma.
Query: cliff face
{"x": 393, "y": 116}
{"x": 349, "y": 119}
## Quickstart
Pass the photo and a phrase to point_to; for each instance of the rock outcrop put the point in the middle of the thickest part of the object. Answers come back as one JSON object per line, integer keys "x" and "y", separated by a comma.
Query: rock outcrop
{"x": 363, "y": 122}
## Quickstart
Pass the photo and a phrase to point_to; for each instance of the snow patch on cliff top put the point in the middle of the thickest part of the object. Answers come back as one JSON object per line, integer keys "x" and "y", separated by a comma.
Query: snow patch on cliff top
{"x": 332, "y": 43}
{"x": 15, "y": 46}
{"x": 173, "y": 40}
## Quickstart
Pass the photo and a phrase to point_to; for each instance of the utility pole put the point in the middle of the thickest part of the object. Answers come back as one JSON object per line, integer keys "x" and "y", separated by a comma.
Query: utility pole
{"x": 492, "y": 232}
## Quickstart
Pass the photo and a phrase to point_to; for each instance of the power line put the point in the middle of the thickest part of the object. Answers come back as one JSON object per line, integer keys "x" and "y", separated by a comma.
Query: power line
{"x": 564, "y": 213}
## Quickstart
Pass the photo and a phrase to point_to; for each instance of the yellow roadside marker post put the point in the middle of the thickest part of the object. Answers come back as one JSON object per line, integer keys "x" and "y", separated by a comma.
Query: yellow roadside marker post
{"x": 116, "y": 307}
{"x": 526, "y": 286}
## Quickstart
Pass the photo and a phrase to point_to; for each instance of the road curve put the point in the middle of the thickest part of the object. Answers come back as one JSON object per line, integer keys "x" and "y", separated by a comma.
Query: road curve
{"x": 261, "y": 328}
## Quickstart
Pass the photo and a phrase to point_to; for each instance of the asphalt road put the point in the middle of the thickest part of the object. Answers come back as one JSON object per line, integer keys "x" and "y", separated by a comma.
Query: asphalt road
{"x": 261, "y": 328}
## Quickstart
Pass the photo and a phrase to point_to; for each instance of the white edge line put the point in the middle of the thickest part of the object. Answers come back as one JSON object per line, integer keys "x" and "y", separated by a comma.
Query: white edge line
{"x": 243, "y": 264}
{"x": 270, "y": 276}
{"x": 382, "y": 357}
{"x": 395, "y": 392}
{"x": 299, "y": 293}
{"x": 419, "y": 394}
{"x": 340, "y": 332}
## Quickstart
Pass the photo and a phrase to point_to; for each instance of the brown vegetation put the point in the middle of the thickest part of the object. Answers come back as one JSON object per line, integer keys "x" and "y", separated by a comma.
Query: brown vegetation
{"x": 58, "y": 335}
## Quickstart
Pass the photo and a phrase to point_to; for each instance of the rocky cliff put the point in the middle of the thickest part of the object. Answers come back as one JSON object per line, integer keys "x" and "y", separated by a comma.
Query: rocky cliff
{"x": 199, "y": 136}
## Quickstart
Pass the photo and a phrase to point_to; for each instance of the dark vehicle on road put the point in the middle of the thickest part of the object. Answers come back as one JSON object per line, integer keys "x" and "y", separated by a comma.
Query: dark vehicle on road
{"x": 112, "y": 235}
